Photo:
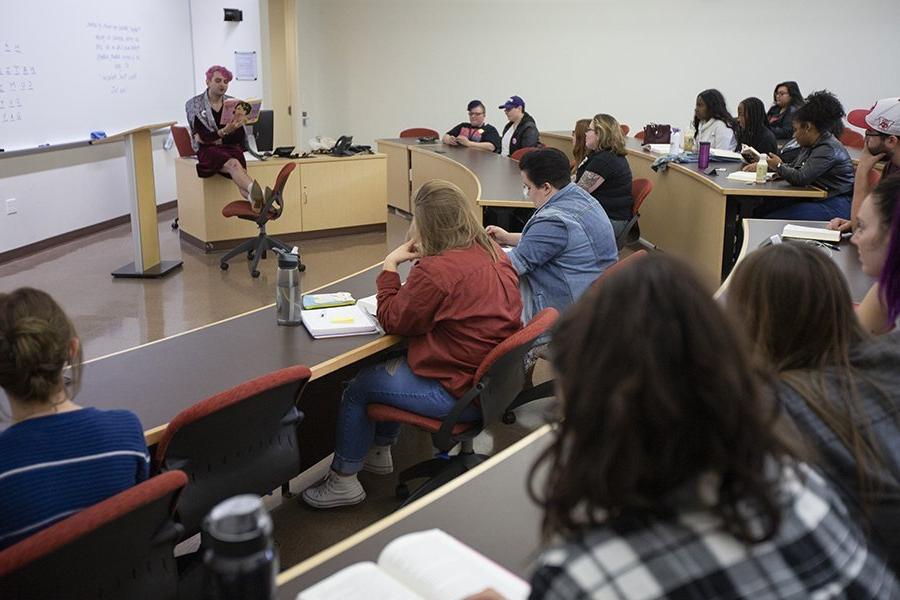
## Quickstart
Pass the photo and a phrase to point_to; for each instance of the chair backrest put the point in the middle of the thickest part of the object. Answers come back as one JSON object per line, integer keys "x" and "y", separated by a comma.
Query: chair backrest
{"x": 625, "y": 128}
{"x": 502, "y": 372}
{"x": 639, "y": 135}
{"x": 418, "y": 132}
{"x": 518, "y": 154}
{"x": 122, "y": 547}
{"x": 241, "y": 441}
{"x": 852, "y": 139}
{"x": 275, "y": 204}
{"x": 627, "y": 262}
{"x": 182, "y": 138}
{"x": 640, "y": 189}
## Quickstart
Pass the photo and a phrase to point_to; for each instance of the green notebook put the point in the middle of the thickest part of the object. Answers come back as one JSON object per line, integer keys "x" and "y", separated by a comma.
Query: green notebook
{"x": 311, "y": 301}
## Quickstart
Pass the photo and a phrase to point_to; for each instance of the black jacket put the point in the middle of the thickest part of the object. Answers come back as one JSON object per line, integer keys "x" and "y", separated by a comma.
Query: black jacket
{"x": 525, "y": 135}
{"x": 826, "y": 164}
{"x": 780, "y": 122}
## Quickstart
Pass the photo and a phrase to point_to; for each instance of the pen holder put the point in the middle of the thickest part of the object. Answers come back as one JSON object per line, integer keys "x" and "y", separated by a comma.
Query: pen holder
{"x": 703, "y": 159}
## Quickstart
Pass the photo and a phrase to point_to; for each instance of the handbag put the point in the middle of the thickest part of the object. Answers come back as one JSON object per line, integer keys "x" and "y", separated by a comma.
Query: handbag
{"x": 655, "y": 133}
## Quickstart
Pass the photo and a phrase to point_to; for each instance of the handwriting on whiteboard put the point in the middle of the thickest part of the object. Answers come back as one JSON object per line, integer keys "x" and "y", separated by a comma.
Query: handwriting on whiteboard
{"x": 17, "y": 81}
{"x": 117, "y": 49}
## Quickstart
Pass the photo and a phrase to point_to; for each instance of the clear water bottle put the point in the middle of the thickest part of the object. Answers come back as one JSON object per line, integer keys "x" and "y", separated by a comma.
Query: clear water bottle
{"x": 287, "y": 289}
{"x": 239, "y": 553}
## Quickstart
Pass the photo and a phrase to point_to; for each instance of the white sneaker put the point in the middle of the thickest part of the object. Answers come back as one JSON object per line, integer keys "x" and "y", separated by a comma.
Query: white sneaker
{"x": 379, "y": 460}
{"x": 335, "y": 491}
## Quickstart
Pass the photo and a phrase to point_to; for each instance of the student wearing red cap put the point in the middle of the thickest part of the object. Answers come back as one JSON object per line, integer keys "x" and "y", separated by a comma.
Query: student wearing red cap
{"x": 882, "y": 125}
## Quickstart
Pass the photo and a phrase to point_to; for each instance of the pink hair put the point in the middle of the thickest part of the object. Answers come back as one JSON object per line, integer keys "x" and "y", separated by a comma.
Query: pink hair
{"x": 225, "y": 73}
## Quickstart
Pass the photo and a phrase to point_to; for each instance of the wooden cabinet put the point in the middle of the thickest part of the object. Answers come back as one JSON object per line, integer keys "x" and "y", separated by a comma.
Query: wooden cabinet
{"x": 343, "y": 194}
{"x": 322, "y": 193}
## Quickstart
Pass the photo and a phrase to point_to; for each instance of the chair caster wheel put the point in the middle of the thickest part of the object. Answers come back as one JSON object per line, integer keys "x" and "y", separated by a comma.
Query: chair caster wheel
{"x": 249, "y": 254}
{"x": 401, "y": 491}
{"x": 254, "y": 274}
{"x": 301, "y": 267}
{"x": 509, "y": 418}
{"x": 223, "y": 266}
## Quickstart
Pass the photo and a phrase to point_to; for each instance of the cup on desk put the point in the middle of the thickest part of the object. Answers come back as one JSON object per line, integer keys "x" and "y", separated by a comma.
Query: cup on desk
{"x": 703, "y": 160}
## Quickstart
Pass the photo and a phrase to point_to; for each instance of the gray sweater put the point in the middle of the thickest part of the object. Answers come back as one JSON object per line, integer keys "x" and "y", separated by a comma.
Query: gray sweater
{"x": 877, "y": 364}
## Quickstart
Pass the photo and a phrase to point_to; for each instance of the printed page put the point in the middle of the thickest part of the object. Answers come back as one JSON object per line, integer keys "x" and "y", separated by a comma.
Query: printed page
{"x": 440, "y": 567}
{"x": 362, "y": 581}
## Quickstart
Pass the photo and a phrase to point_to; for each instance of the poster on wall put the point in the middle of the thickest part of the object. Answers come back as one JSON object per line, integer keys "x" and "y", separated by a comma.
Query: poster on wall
{"x": 245, "y": 68}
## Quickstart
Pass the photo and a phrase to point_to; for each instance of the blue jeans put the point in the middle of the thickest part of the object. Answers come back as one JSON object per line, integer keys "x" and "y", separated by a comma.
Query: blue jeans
{"x": 392, "y": 383}
{"x": 798, "y": 210}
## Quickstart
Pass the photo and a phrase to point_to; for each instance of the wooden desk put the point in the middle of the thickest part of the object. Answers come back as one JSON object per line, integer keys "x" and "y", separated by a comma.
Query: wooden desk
{"x": 691, "y": 214}
{"x": 486, "y": 178}
{"x": 757, "y": 231}
{"x": 324, "y": 192}
{"x": 469, "y": 508}
{"x": 158, "y": 380}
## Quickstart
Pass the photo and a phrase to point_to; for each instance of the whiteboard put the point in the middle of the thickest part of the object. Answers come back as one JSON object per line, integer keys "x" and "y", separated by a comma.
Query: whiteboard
{"x": 70, "y": 68}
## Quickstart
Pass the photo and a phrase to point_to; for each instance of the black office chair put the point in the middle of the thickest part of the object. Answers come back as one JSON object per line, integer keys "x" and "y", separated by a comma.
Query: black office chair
{"x": 256, "y": 248}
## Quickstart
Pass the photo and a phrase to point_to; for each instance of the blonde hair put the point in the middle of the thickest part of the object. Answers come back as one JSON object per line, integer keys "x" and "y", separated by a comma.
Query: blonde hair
{"x": 444, "y": 220}
{"x": 609, "y": 134}
{"x": 35, "y": 338}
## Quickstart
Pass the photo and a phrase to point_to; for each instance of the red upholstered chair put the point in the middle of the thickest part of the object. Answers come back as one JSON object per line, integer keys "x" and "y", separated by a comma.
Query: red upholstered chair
{"x": 122, "y": 547}
{"x": 182, "y": 138}
{"x": 417, "y": 132}
{"x": 518, "y": 154}
{"x": 546, "y": 389}
{"x": 241, "y": 441}
{"x": 639, "y": 135}
{"x": 625, "y": 128}
{"x": 256, "y": 247}
{"x": 852, "y": 139}
{"x": 640, "y": 189}
{"x": 498, "y": 380}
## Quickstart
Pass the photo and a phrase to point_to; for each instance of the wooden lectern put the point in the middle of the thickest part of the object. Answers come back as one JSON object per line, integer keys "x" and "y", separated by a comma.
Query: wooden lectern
{"x": 139, "y": 160}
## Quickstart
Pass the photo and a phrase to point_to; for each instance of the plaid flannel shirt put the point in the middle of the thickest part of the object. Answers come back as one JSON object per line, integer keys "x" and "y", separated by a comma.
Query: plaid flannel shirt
{"x": 818, "y": 552}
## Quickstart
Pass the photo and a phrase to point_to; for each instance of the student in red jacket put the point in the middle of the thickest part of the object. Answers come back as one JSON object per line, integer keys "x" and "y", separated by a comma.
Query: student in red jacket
{"x": 460, "y": 300}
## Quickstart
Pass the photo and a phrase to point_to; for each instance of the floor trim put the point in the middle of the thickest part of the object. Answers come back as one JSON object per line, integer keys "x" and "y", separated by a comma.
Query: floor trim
{"x": 69, "y": 236}
{"x": 222, "y": 245}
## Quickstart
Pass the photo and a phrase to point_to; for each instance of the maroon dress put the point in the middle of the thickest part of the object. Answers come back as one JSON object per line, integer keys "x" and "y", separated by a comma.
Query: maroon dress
{"x": 212, "y": 157}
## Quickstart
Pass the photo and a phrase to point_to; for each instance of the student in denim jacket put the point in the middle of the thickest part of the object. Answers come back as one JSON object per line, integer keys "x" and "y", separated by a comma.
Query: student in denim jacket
{"x": 565, "y": 245}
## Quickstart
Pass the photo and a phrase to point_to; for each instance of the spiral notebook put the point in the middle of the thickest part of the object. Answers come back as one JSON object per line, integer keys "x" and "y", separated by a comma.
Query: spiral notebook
{"x": 338, "y": 322}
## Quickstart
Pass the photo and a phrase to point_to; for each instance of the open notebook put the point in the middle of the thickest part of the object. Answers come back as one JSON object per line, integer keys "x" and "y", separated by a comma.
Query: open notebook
{"x": 802, "y": 232}
{"x": 338, "y": 321}
{"x": 426, "y": 565}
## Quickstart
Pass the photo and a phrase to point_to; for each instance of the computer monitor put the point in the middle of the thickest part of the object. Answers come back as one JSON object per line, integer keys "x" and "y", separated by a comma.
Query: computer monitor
{"x": 263, "y": 130}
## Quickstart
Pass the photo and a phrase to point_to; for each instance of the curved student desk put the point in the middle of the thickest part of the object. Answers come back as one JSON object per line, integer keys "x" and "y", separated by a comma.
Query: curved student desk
{"x": 487, "y": 508}
{"x": 691, "y": 214}
{"x": 486, "y": 178}
{"x": 159, "y": 379}
{"x": 757, "y": 231}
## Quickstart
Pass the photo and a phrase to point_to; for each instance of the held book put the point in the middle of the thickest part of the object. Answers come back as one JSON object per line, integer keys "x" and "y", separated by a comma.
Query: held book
{"x": 426, "y": 565}
{"x": 802, "y": 232}
{"x": 230, "y": 105}
{"x": 338, "y": 321}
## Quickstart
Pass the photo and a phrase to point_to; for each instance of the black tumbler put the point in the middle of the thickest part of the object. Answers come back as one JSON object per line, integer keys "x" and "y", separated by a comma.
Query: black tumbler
{"x": 239, "y": 554}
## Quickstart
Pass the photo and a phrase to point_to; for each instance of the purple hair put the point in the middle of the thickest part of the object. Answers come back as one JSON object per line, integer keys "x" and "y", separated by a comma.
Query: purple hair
{"x": 887, "y": 199}
{"x": 225, "y": 73}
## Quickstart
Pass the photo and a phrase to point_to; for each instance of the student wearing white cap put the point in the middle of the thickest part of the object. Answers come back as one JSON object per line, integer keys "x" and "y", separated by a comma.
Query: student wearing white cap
{"x": 882, "y": 125}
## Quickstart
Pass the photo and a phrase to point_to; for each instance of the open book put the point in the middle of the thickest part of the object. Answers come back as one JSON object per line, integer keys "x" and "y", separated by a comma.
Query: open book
{"x": 747, "y": 176}
{"x": 802, "y": 232}
{"x": 338, "y": 321}
{"x": 250, "y": 108}
{"x": 426, "y": 565}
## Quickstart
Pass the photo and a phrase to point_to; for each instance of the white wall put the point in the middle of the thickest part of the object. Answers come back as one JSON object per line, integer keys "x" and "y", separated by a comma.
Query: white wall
{"x": 62, "y": 191}
{"x": 371, "y": 69}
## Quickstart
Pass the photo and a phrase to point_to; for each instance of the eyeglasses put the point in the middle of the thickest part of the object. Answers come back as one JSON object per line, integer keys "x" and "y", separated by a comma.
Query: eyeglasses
{"x": 873, "y": 133}
{"x": 476, "y": 114}
{"x": 782, "y": 93}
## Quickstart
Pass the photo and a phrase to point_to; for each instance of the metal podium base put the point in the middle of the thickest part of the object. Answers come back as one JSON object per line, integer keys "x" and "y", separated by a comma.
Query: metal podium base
{"x": 159, "y": 270}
